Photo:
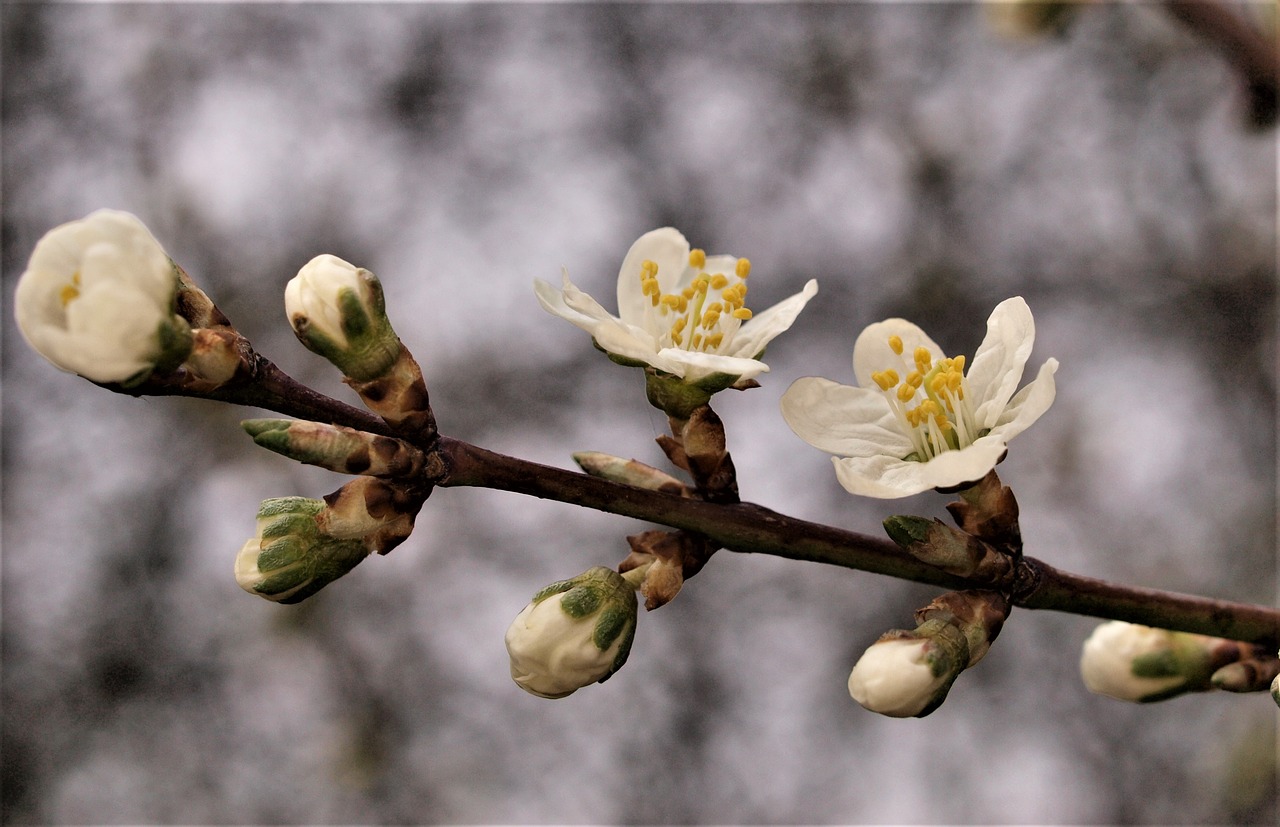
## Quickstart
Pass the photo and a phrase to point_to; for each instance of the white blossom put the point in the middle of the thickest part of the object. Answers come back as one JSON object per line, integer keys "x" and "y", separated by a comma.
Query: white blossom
{"x": 679, "y": 311}
{"x": 97, "y": 299}
{"x": 919, "y": 419}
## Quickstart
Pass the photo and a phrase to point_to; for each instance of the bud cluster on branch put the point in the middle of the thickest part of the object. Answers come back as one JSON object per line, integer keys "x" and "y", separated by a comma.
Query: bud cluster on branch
{"x": 102, "y": 299}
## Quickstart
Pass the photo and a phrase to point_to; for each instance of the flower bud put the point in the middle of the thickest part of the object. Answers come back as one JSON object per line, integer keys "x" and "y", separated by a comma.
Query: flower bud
{"x": 290, "y": 558}
{"x": 1138, "y": 663}
{"x": 341, "y": 449}
{"x": 901, "y": 676}
{"x": 337, "y": 310}
{"x": 97, "y": 299}
{"x": 574, "y": 633}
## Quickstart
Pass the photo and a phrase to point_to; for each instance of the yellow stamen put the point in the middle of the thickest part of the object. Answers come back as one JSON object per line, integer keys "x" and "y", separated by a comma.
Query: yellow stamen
{"x": 885, "y": 379}
{"x": 924, "y": 359}
{"x": 742, "y": 313}
{"x": 895, "y": 344}
{"x": 906, "y": 392}
{"x": 714, "y": 340}
{"x": 719, "y": 281}
{"x": 743, "y": 268}
{"x": 70, "y": 292}
{"x": 697, "y": 259}
{"x": 710, "y": 318}
{"x": 915, "y": 378}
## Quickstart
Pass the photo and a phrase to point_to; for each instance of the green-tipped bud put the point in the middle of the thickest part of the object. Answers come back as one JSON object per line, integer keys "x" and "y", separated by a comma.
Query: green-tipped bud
{"x": 574, "y": 633}
{"x": 629, "y": 472}
{"x": 290, "y": 558}
{"x": 337, "y": 448}
{"x": 338, "y": 311}
{"x": 949, "y": 549}
{"x": 1138, "y": 663}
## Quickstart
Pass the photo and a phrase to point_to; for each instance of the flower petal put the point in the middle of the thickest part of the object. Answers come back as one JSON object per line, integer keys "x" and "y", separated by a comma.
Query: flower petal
{"x": 692, "y": 365}
{"x": 665, "y": 247}
{"x": 997, "y": 365}
{"x": 844, "y": 420}
{"x": 756, "y": 333}
{"x": 871, "y": 351}
{"x": 1029, "y": 404}
{"x": 888, "y": 478}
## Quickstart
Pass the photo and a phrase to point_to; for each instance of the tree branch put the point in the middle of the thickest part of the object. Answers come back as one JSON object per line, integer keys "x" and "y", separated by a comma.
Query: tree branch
{"x": 1251, "y": 54}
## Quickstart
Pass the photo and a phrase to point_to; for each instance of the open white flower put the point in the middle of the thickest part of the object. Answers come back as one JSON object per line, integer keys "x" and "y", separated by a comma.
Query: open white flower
{"x": 919, "y": 419}
{"x": 680, "y": 311}
{"x": 97, "y": 299}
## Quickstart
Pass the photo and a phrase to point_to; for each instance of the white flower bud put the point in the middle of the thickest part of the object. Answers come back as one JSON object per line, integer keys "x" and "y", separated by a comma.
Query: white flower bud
{"x": 290, "y": 559}
{"x": 97, "y": 300}
{"x": 1138, "y": 663}
{"x": 338, "y": 311}
{"x": 899, "y": 677}
{"x": 574, "y": 633}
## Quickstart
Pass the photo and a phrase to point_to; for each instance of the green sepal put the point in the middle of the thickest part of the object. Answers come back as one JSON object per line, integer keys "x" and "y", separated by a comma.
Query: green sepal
{"x": 625, "y": 361}
{"x": 672, "y": 395}
{"x": 907, "y": 530}
{"x": 716, "y": 382}
{"x": 581, "y": 601}
{"x": 553, "y": 589}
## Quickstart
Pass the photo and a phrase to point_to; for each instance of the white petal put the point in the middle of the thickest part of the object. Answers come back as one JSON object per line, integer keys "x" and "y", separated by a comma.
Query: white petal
{"x": 871, "y": 352}
{"x": 693, "y": 365}
{"x": 756, "y": 333}
{"x": 997, "y": 365}
{"x": 552, "y": 301}
{"x": 889, "y": 478}
{"x": 843, "y": 420}
{"x": 665, "y": 247}
{"x": 1029, "y": 404}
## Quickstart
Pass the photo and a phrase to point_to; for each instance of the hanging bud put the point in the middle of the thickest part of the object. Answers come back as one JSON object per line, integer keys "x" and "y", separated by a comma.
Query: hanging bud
{"x": 1138, "y": 663}
{"x": 908, "y": 673}
{"x": 574, "y": 633}
{"x": 290, "y": 558}
{"x": 97, "y": 299}
{"x": 338, "y": 311}
{"x": 337, "y": 448}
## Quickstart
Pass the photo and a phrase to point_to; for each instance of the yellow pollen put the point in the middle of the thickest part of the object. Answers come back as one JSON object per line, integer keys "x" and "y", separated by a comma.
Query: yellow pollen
{"x": 742, "y": 313}
{"x": 915, "y": 379}
{"x": 719, "y": 281}
{"x": 671, "y": 301}
{"x": 679, "y": 324}
{"x": 895, "y": 344}
{"x": 697, "y": 341}
{"x": 70, "y": 292}
{"x": 710, "y": 318}
{"x": 743, "y": 268}
{"x": 715, "y": 339}
{"x": 958, "y": 363}
{"x": 697, "y": 259}
{"x": 924, "y": 359}
{"x": 906, "y": 392}
{"x": 687, "y": 292}
{"x": 885, "y": 379}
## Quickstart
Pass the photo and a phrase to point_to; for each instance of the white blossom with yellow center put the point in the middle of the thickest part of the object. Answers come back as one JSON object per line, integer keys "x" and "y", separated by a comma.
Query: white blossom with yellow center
{"x": 97, "y": 297}
{"x": 679, "y": 310}
{"x": 921, "y": 419}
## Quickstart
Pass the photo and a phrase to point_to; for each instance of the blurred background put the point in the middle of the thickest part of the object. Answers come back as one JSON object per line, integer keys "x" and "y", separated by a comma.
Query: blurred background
{"x": 916, "y": 159}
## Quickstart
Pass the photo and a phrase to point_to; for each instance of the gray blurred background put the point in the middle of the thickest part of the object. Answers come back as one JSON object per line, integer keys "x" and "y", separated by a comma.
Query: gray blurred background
{"x": 911, "y": 158}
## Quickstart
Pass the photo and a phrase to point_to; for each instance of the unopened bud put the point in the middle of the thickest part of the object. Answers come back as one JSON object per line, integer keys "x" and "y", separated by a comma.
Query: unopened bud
{"x": 290, "y": 558}
{"x": 949, "y": 549}
{"x": 1142, "y": 664}
{"x": 337, "y": 448}
{"x": 574, "y": 633}
{"x": 629, "y": 472}
{"x": 338, "y": 311}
